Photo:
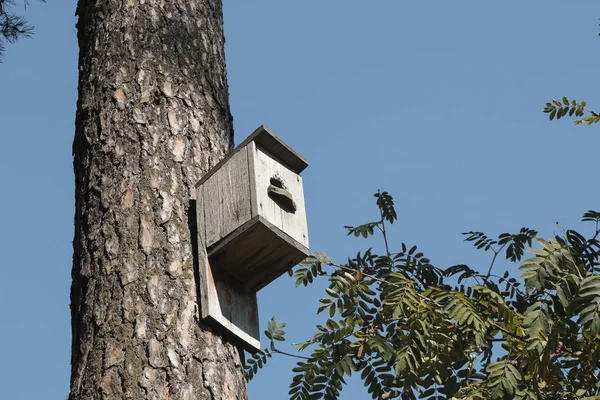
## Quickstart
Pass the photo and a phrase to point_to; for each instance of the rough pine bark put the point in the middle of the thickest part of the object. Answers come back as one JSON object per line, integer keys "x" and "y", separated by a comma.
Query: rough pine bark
{"x": 152, "y": 118}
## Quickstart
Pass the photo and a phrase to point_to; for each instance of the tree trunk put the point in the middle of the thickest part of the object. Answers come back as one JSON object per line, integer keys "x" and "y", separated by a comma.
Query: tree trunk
{"x": 153, "y": 116}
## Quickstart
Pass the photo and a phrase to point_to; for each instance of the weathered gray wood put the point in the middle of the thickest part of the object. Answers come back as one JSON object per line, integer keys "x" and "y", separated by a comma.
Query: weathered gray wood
{"x": 232, "y": 308}
{"x": 263, "y": 253}
{"x": 265, "y": 168}
{"x": 234, "y": 193}
{"x": 202, "y": 255}
{"x": 212, "y": 210}
{"x": 270, "y": 141}
{"x": 251, "y": 150}
{"x": 247, "y": 239}
{"x": 225, "y": 304}
{"x": 227, "y": 203}
{"x": 237, "y": 191}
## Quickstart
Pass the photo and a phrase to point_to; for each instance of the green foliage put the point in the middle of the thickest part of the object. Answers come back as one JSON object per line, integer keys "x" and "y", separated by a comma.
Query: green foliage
{"x": 385, "y": 202}
{"x": 274, "y": 333}
{"x": 557, "y": 109}
{"x": 514, "y": 243}
{"x": 409, "y": 329}
{"x": 310, "y": 268}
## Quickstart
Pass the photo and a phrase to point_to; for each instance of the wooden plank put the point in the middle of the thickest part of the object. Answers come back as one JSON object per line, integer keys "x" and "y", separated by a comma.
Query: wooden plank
{"x": 267, "y": 139}
{"x": 270, "y": 141}
{"x": 227, "y": 198}
{"x": 234, "y": 193}
{"x": 224, "y": 304}
{"x": 228, "y": 241}
{"x": 263, "y": 252}
{"x": 213, "y": 212}
{"x": 265, "y": 168}
{"x": 251, "y": 151}
{"x": 296, "y": 224}
{"x": 233, "y": 309}
{"x": 202, "y": 255}
{"x": 236, "y": 335}
{"x": 283, "y": 253}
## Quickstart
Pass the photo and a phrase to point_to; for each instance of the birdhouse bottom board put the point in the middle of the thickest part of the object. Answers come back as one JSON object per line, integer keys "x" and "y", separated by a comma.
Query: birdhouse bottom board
{"x": 262, "y": 253}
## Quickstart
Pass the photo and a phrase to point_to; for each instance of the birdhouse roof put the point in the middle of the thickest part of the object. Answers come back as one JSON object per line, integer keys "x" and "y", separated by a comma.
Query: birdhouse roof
{"x": 270, "y": 142}
{"x": 272, "y": 145}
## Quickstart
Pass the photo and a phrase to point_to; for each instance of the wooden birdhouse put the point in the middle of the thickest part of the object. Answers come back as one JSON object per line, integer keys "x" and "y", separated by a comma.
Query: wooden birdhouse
{"x": 251, "y": 224}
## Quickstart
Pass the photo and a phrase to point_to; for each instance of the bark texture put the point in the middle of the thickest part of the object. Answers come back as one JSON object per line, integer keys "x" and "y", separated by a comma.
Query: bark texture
{"x": 153, "y": 116}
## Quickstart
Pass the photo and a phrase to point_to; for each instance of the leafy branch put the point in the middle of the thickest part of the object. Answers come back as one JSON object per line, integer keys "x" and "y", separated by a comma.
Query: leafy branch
{"x": 514, "y": 243}
{"x": 557, "y": 109}
{"x": 274, "y": 333}
{"x": 394, "y": 320}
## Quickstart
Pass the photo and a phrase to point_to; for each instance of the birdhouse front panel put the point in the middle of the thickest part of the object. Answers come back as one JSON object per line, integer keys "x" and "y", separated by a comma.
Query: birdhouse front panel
{"x": 279, "y": 194}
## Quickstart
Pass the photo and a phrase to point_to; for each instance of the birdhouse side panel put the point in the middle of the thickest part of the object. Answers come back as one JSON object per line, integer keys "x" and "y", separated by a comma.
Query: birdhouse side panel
{"x": 279, "y": 195}
{"x": 227, "y": 198}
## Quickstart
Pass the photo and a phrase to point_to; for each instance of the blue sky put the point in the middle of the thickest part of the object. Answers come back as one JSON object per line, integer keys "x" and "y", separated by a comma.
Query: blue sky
{"x": 437, "y": 102}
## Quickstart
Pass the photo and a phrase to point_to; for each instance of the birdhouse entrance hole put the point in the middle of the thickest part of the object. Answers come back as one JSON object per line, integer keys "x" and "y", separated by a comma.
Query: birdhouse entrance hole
{"x": 278, "y": 193}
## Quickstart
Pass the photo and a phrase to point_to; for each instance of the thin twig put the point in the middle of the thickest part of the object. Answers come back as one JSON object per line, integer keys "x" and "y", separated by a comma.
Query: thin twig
{"x": 494, "y": 260}
{"x": 509, "y": 333}
{"x": 290, "y": 355}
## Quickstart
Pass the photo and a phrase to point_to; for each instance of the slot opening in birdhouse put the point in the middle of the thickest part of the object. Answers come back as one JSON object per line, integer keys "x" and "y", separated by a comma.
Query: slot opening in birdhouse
{"x": 277, "y": 182}
{"x": 281, "y": 196}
